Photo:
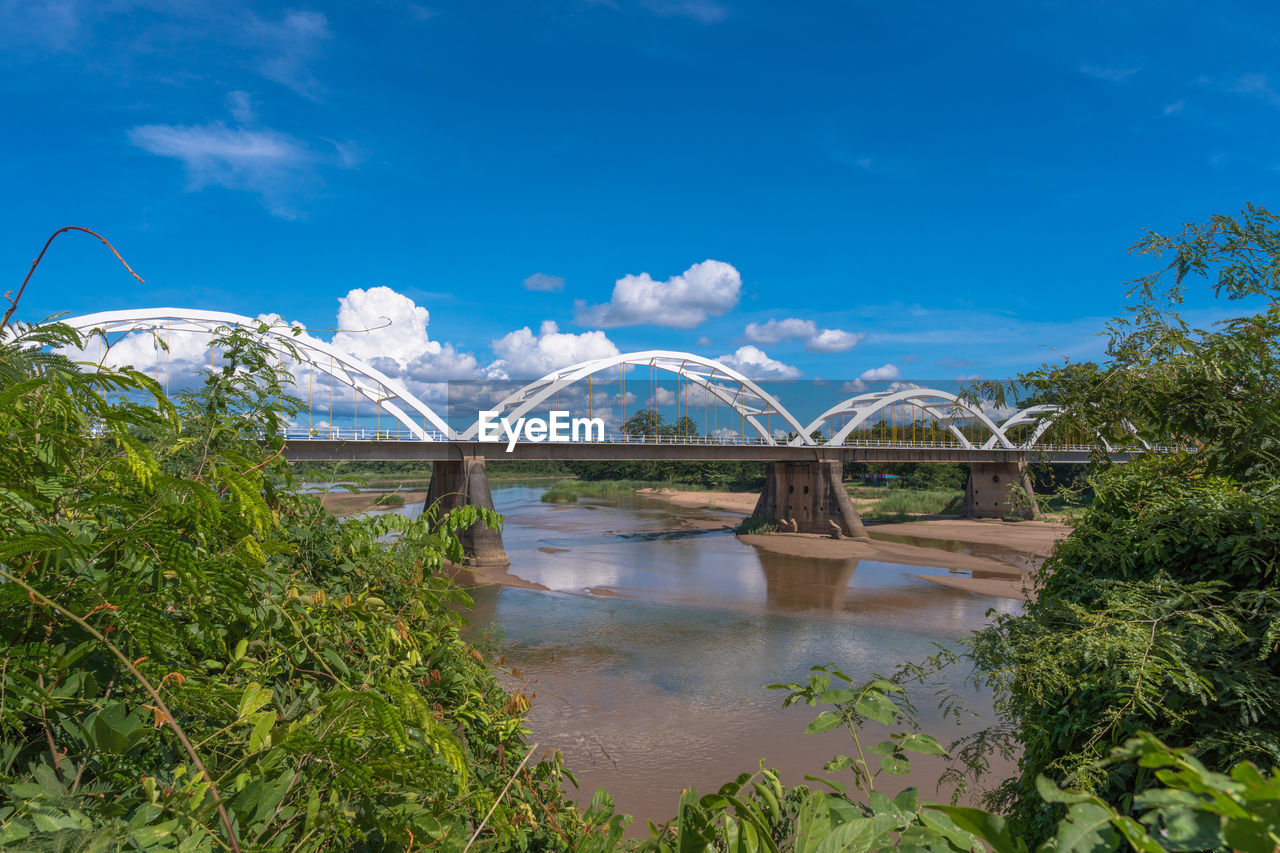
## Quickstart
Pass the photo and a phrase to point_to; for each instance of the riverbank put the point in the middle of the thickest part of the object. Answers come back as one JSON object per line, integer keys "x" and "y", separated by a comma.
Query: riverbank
{"x": 1000, "y": 557}
{"x": 351, "y": 503}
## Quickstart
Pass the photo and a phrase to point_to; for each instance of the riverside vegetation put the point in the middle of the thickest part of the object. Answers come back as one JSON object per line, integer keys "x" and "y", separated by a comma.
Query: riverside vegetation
{"x": 199, "y": 658}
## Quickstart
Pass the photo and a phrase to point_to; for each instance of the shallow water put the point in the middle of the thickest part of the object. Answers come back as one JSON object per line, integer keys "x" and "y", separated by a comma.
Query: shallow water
{"x": 650, "y": 655}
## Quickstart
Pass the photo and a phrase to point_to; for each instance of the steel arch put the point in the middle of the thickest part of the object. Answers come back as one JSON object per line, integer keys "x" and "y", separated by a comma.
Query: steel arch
{"x": 700, "y": 371}
{"x": 863, "y": 406}
{"x": 1030, "y": 415}
{"x": 360, "y": 377}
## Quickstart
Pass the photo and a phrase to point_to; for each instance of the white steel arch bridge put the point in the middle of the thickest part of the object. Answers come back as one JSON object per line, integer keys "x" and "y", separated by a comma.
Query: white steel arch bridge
{"x": 904, "y": 416}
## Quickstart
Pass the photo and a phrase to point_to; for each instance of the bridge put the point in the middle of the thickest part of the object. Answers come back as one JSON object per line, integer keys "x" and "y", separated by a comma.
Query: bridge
{"x": 741, "y": 420}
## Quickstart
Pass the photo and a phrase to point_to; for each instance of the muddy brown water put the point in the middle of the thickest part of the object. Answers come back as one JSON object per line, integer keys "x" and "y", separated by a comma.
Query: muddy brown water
{"x": 661, "y": 685}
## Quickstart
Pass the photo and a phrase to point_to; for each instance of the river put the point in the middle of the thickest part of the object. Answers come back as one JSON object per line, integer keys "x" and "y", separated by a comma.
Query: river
{"x": 650, "y": 654}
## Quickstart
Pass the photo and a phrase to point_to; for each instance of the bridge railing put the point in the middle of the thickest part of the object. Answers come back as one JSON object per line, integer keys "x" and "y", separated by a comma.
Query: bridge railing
{"x": 361, "y": 434}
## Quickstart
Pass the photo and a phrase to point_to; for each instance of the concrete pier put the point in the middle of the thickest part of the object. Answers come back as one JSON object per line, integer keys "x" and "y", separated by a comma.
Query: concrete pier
{"x": 1000, "y": 490}
{"x": 462, "y": 482}
{"x": 812, "y": 494}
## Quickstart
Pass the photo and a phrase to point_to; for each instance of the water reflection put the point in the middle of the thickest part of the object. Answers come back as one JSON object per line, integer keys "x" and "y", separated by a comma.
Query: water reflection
{"x": 664, "y": 688}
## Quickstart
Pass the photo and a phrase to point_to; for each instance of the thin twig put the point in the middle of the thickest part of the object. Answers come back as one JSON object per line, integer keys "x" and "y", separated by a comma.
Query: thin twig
{"x": 503, "y": 793}
{"x": 13, "y": 303}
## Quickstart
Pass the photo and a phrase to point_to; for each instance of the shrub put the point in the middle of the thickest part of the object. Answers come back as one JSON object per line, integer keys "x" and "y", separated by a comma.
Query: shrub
{"x": 756, "y": 525}
{"x": 559, "y": 495}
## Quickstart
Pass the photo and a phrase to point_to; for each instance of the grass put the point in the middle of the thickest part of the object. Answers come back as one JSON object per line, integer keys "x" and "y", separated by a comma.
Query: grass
{"x": 756, "y": 525}
{"x": 389, "y": 499}
{"x": 903, "y": 503}
{"x": 857, "y": 490}
{"x": 558, "y": 495}
{"x": 597, "y": 488}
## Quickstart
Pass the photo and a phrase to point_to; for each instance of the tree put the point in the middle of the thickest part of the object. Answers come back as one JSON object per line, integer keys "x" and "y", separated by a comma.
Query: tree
{"x": 1161, "y": 611}
{"x": 646, "y": 423}
{"x": 198, "y": 658}
{"x": 685, "y": 427}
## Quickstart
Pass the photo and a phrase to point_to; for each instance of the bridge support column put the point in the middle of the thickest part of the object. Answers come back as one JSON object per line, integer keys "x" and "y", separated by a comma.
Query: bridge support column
{"x": 462, "y": 482}
{"x": 998, "y": 490}
{"x": 810, "y": 493}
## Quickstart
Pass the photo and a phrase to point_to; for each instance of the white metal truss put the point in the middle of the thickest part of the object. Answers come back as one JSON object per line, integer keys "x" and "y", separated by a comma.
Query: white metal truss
{"x": 945, "y": 408}
{"x": 362, "y": 378}
{"x": 1041, "y": 416}
{"x": 724, "y": 383}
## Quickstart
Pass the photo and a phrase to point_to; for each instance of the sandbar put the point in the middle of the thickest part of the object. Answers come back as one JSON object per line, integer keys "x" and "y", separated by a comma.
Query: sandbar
{"x": 349, "y": 503}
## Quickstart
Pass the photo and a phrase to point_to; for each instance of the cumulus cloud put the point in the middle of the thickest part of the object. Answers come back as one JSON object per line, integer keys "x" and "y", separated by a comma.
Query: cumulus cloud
{"x": 274, "y": 166}
{"x": 523, "y": 354}
{"x": 755, "y": 364}
{"x": 707, "y": 289}
{"x": 793, "y": 328}
{"x": 389, "y": 330}
{"x": 853, "y": 386}
{"x": 543, "y": 282}
{"x": 880, "y": 374}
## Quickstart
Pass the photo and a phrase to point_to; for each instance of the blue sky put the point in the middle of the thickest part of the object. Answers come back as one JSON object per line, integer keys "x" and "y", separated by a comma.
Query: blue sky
{"x": 822, "y": 190}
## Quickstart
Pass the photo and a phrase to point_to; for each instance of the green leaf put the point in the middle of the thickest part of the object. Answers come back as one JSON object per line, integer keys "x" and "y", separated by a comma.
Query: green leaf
{"x": 878, "y": 707}
{"x": 986, "y": 826}
{"x": 824, "y": 722}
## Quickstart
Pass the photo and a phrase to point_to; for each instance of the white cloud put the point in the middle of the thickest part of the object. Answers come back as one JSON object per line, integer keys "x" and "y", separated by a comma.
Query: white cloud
{"x": 854, "y": 386}
{"x": 661, "y": 397}
{"x": 379, "y": 322}
{"x": 708, "y": 289}
{"x": 880, "y": 374}
{"x": 704, "y": 341}
{"x": 445, "y": 363}
{"x": 240, "y": 105}
{"x": 389, "y": 330}
{"x": 1175, "y": 107}
{"x": 1258, "y": 85}
{"x": 51, "y": 24}
{"x": 273, "y": 166}
{"x": 523, "y": 354}
{"x": 833, "y": 340}
{"x": 779, "y": 330}
{"x": 753, "y": 362}
{"x": 703, "y": 11}
{"x": 543, "y": 282}
{"x": 288, "y": 47}
{"x": 816, "y": 340}
{"x": 1113, "y": 75}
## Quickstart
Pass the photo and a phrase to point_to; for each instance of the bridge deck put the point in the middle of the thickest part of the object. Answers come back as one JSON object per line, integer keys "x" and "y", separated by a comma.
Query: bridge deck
{"x": 326, "y": 450}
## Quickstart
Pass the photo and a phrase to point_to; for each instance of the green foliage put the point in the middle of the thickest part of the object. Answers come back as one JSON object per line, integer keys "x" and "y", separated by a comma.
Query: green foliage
{"x": 559, "y": 495}
{"x": 756, "y": 525}
{"x": 716, "y": 476}
{"x": 921, "y": 476}
{"x": 904, "y": 503}
{"x": 603, "y": 488}
{"x": 195, "y": 657}
{"x": 1159, "y": 612}
{"x": 390, "y": 499}
{"x": 1185, "y": 807}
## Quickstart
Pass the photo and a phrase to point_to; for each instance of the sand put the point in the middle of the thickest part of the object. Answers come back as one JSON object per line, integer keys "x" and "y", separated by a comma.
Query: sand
{"x": 736, "y": 502}
{"x": 477, "y": 576}
{"x": 349, "y": 503}
{"x": 1033, "y": 540}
